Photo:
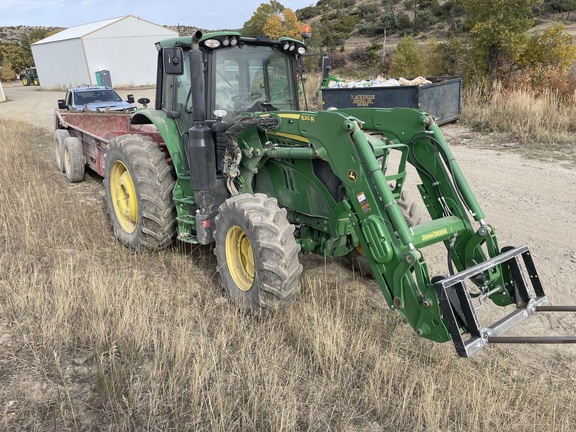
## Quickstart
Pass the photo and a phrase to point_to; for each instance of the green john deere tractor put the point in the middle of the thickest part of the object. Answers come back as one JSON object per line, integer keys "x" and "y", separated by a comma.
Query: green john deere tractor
{"x": 30, "y": 76}
{"x": 226, "y": 157}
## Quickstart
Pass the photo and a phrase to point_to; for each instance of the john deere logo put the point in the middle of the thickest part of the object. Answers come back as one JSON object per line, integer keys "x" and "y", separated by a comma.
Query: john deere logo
{"x": 352, "y": 176}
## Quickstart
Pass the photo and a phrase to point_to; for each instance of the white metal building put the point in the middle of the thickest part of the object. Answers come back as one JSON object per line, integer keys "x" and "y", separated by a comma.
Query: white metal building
{"x": 123, "y": 46}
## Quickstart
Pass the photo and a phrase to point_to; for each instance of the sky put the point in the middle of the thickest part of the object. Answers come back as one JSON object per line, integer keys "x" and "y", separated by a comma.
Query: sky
{"x": 207, "y": 14}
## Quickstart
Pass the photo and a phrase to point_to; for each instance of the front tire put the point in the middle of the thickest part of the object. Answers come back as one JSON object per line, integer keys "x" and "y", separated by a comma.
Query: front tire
{"x": 138, "y": 185}
{"x": 256, "y": 252}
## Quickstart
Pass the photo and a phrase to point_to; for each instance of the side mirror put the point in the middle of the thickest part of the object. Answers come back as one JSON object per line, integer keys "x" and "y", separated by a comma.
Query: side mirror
{"x": 173, "y": 61}
{"x": 144, "y": 101}
{"x": 326, "y": 66}
{"x": 62, "y": 104}
{"x": 130, "y": 98}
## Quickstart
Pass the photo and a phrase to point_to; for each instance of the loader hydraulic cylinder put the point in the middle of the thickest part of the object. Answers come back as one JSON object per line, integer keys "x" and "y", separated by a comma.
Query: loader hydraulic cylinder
{"x": 392, "y": 208}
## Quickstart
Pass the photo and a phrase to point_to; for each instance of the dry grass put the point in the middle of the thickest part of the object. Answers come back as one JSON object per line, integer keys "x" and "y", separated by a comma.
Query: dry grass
{"x": 311, "y": 89}
{"x": 94, "y": 337}
{"x": 543, "y": 121}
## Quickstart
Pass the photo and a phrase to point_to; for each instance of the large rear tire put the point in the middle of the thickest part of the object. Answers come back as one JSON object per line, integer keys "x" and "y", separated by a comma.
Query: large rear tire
{"x": 256, "y": 252}
{"x": 138, "y": 185}
{"x": 59, "y": 136}
{"x": 26, "y": 80}
{"x": 73, "y": 159}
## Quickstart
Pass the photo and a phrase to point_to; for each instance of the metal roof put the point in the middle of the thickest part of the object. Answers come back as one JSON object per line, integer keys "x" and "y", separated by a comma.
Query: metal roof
{"x": 82, "y": 30}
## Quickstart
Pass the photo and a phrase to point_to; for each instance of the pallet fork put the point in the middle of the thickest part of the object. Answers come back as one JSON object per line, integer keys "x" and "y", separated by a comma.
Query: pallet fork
{"x": 459, "y": 311}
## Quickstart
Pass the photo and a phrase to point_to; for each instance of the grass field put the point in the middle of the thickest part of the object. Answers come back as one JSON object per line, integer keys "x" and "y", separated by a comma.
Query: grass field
{"x": 95, "y": 337}
{"x": 543, "y": 121}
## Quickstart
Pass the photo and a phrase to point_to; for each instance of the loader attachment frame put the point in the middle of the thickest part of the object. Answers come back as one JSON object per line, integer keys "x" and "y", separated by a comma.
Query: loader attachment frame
{"x": 460, "y": 313}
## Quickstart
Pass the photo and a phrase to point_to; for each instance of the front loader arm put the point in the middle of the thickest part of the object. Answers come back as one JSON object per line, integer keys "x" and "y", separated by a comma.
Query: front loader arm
{"x": 375, "y": 216}
{"x": 357, "y": 143}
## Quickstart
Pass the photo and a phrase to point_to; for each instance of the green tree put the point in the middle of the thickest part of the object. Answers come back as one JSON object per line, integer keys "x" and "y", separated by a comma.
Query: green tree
{"x": 274, "y": 27}
{"x": 12, "y": 58}
{"x": 274, "y": 20}
{"x": 434, "y": 57}
{"x": 290, "y": 25}
{"x": 548, "y": 54}
{"x": 561, "y": 6}
{"x": 408, "y": 61}
{"x": 255, "y": 25}
{"x": 6, "y": 70}
{"x": 325, "y": 36}
{"x": 498, "y": 30}
{"x": 552, "y": 48}
{"x": 28, "y": 39}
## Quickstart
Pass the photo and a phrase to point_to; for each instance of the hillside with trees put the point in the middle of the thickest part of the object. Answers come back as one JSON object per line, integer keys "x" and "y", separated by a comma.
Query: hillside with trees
{"x": 481, "y": 40}
{"x": 516, "y": 57}
{"x": 484, "y": 41}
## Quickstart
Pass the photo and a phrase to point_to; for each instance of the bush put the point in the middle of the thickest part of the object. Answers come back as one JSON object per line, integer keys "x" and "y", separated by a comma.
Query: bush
{"x": 307, "y": 13}
{"x": 370, "y": 27}
{"x": 369, "y": 10}
{"x": 408, "y": 60}
{"x": 424, "y": 20}
{"x": 346, "y": 24}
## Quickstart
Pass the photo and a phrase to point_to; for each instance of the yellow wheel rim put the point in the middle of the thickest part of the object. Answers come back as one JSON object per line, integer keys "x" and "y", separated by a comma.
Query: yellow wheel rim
{"x": 360, "y": 250}
{"x": 240, "y": 258}
{"x": 124, "y": 197}
{"x": 25, "y": 81}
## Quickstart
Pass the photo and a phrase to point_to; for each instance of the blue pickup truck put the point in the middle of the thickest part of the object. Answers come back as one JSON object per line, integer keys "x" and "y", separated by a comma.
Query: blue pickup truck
{"x": 95, "y": 99}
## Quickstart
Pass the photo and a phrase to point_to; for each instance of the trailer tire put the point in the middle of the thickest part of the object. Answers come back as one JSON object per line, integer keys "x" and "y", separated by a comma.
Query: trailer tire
{"x": 138, "y": 185}
{"x": 73, "y": 159}
{"x": 59, "y": 136}
{"x": 256, "y": 252}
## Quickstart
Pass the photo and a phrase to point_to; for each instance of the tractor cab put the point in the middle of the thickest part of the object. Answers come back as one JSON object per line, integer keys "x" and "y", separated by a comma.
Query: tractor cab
{"x": 238, "y": 75}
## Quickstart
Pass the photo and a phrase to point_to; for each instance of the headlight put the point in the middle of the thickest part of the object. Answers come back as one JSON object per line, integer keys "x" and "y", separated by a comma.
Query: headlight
{"x": 212, "y": 43}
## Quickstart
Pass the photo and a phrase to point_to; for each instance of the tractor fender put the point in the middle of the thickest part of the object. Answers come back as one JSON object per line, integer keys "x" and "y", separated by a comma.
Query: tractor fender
{"x": 168, "y": 129}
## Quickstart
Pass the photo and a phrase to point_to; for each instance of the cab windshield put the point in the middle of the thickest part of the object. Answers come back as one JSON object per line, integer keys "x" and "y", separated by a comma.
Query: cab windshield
{"x": 253, "y": 78}
{"x": 96, "y": 96}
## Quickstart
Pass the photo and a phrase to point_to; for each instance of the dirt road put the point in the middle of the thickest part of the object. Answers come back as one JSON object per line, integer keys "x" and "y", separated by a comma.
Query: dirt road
{"x": 528, "y": 201}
